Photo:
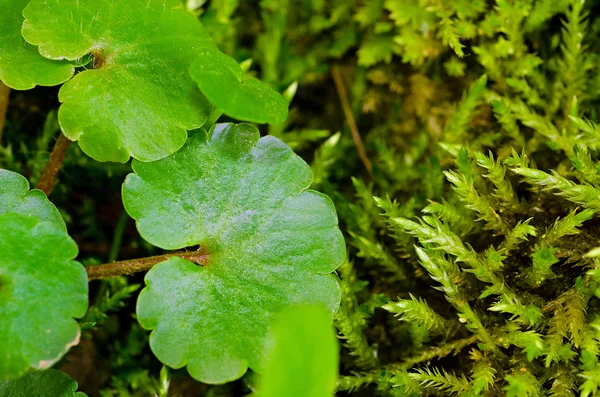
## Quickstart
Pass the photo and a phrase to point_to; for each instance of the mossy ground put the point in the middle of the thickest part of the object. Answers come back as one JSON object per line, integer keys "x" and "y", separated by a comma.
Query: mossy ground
{"x": 479, "y": 121}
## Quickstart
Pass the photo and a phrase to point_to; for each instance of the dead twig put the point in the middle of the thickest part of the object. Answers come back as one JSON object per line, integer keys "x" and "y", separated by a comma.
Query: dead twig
{"x": 341, "y": 90}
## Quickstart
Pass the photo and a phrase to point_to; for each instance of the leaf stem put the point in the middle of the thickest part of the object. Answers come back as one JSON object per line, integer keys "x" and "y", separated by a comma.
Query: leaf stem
{"x": 54, "y": 163}
{"x": 341, "y": 90}
{"x": 118, "y": 236}
{"x": 132, "y": 266}
{"x": 213, "y": 118}
{"x": 4, "y": 94}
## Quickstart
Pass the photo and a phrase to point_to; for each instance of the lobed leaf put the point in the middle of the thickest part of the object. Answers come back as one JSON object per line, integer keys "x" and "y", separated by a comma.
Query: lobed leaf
{"x": 269, "y": 244}
{"x": 21, "y": 66}
{"x": 50, "y": 383}
{"x": 15, "y": 197}
{"x": 41, "y": 290}
{"x": 138, "y": 100}
{"x": 220, "y": 78}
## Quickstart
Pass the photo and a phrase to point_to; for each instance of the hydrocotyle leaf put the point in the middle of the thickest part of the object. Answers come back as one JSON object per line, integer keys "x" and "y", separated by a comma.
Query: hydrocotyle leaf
{"x": 304, "y": 359}
{"x": 138, "y": 100}
{"x": 50, "y": 383}
{"x": 220, "y": 78}
{"x": 15, "y": 197}
{"x": 42, "y": 290}
{"x": 267, "y": 243}
{"x": 21, "y": 66}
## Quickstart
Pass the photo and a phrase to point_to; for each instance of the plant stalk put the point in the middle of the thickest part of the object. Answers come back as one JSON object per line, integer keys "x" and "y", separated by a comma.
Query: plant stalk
{"x": 115, "y": 247}
{"x": 132, "y": 266}
{"x": 54, "y": 163}
{"x": 4, "y": 94}
{"x": 341, "y": 90}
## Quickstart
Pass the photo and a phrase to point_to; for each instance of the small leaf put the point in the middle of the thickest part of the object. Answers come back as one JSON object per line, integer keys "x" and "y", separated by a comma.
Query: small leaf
{"x": 304, "y": 360}
{"x": 15, "y": 197}
{"x": 50, "y": 383}
{"x": 220, "y": 79}
{"x": 41, "y": 290}
{"x": 138, "y": 100}
{"x": 270, "y": 244}
{"x": 21, "y": 66}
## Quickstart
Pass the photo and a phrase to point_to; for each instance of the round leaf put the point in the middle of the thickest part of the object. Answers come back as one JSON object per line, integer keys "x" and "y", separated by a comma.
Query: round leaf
{"x": 270, "y": 244}
{"x": 138, "y": 100}
{"x": 41, "y": 290}
{"x": 15, "y": 197}
{"x": 304, "y": 360}
{"x": 21, "y": 66}
{"x": 220, "y": 79}
{"x": 50, "y": 383}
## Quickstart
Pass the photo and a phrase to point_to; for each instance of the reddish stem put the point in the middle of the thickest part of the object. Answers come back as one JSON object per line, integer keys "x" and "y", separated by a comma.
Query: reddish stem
{"x": 4, "y": 94}
{"x": 54, "y": 163}
{"x": 132, "y": 266}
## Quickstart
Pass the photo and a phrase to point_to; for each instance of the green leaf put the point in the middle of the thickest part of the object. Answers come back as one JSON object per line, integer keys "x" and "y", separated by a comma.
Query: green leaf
{"x": 15, "y": 197}
{"x": 304, "y": 359}
{"x": 138, "y": 100}
{"x": 21, "y": 66}
{"x": 270, "y": 243}
{"x": 41, "y": 290}
{"x": 50, "y": 383}
{"x": 220, "y": 78}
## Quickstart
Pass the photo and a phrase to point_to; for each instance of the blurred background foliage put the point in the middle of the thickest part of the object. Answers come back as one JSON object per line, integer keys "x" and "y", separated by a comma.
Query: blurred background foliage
{"x": 458, "y": 140}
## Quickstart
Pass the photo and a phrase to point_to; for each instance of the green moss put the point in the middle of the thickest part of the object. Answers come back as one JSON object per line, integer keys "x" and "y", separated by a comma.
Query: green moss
{"x": 468, "y": 269}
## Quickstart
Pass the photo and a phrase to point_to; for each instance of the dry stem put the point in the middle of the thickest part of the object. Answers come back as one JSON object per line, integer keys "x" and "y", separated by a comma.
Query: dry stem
{"x": 339, "y": 85}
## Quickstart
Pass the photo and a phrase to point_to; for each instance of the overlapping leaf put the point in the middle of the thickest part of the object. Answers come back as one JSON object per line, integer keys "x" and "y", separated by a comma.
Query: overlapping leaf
{"x": 15, "y": 197}
{"x": 41, "y": 288}
{"x": 139, "y": 98}
{"x": 21, "y": 66}
{"x": 270, "y": 244}
{"x": 304, "y": 360}
{"x": 50, "y": 383}
{"x": 220, "y": 78}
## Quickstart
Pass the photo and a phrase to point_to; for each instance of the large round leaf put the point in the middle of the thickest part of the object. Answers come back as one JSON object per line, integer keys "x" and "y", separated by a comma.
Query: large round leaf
{"x": 220, "y": 78}
{"x": 15, "y": 197}
{"x": 41, "y": 290}
{"x": 21, "y": 66}
{"x": 139, "y": 99}
{"x": 50, "y": 383}
{"x": 270, "y": 244}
